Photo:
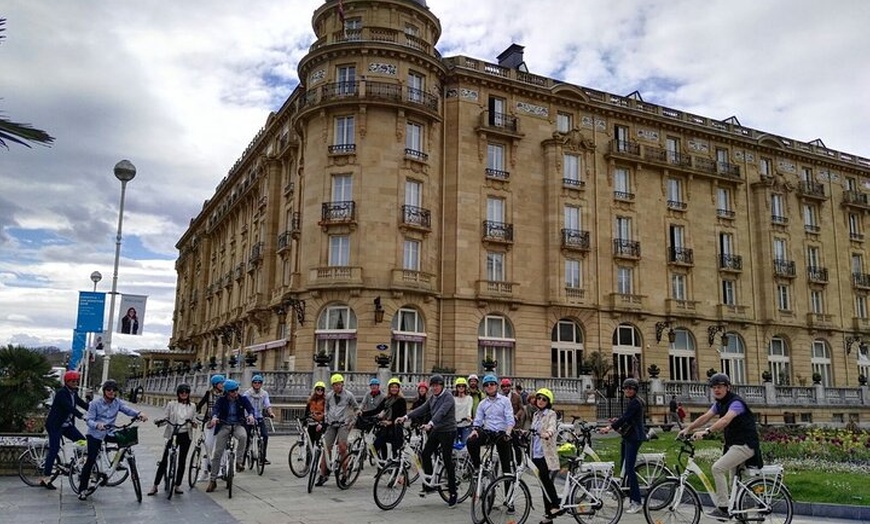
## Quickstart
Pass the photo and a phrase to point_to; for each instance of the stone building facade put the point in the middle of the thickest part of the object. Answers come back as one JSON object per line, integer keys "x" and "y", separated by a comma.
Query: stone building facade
{"x": 454, "y": 209}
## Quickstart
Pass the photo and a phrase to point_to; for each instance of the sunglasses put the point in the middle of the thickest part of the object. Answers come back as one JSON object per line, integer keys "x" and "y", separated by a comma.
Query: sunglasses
{"x": 541, "y": 397}
{"x": 319, "y": 389}
{"x": 109, "y": 389}
{"x": 490, "y": 384}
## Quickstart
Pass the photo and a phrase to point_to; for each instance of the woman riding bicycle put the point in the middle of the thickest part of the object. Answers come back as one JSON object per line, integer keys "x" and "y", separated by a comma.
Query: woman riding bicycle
{"x": 208, "y": 400}
{"x": 315, "y": 410}
{"x": 103, "y": 412}
{"x": 631, "y": 426}
{"x": 387, "y": 411}
{"x": 543, "y": 450}
{"x": 176, "y": 412}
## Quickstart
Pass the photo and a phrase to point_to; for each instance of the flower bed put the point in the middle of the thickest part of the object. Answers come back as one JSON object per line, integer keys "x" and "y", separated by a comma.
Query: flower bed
{"x": 846, "y": 446}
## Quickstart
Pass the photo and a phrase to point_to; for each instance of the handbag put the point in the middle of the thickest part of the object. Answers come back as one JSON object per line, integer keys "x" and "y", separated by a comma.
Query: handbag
{"x": 626, "y": 430}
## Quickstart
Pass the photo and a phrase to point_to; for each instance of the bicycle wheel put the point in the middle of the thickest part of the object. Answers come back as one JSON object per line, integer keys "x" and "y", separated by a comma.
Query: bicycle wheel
{"x": 134, "y": 477}
{"x": 120, "y": 476}
{"x": 765, "y": 500}
{"x": 648, "y": 473}
{"x": 261, "y": 458}
{"x": 250, "y": 452}
{"x": 170, "y": 474}
{"x": 195, "y": 466}
{"x": 670, "y": 502}
{"x": 604, "y": 506}
{"x": 506, "y": 501}
{"x": 313, "y": 468}
{"x": 231, "y": 472}
{"x": 479, "y": 485}
{"x": 75, "y": 472}
{"x": 348, "y": 472}
{"x": 464, "y": 474}
{"x": 391, "y": 483}
{"x": 299, "y": 459}
{"x": 30, "y": 466}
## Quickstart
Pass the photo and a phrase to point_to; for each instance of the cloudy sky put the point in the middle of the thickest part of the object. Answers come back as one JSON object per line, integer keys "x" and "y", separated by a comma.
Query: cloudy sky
{"x": 180, "y": 88}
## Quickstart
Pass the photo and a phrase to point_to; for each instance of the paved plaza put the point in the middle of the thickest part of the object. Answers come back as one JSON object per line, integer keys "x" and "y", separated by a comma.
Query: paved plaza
{"x": 276, "y": 497}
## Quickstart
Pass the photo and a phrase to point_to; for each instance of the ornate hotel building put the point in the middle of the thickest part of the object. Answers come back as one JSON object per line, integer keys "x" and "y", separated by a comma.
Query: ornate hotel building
{"x": 453, "y": 209}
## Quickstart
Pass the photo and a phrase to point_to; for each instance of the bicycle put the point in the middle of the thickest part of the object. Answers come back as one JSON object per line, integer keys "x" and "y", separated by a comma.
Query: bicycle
{"x": 126, "y": 437}
{"x": 761, "y": 497}
{"x": 31, "y": 462}
{"x": 195, "y": 465}
{"x": 172, "y": 456}
{"x": 227, "y": 470}
{"x": 487, "y": 473}
{"x": 360, "y": 450}
{"x": 333, "y": 460}
{"x": 255, "y": 454}
{"x": 590, "y": 493}
{"x": 301, "y": 452}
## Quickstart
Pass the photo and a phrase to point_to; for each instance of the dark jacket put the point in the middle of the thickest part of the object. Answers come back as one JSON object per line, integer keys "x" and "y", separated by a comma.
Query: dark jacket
{"x": 741, "y": 431}
{"x": 64, "y": 407}
{"x": 633, "y": 417}
{"x": 441, "y": 410}
{"x": 222, "y": 408}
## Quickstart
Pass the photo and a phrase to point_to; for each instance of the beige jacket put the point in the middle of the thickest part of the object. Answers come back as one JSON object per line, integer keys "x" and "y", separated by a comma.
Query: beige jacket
{"x": 177, "y": 413}
{"x": 544, "y": 421}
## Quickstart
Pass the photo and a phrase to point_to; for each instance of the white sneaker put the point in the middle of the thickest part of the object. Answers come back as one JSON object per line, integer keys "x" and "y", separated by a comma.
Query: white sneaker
{"x": 633, "y": 508}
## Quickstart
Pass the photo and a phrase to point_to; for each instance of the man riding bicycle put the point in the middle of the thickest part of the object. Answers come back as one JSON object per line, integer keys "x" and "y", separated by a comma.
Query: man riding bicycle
{"x": 341, "y": 408}
{"x": 61, "y": 422}
{"x": 230, "y": 413}
{"x": 495, "y": 415}
{"x": 208, "y": 400}
{"x": 259, "y": 398}
{"x": 742, "y": 445}
{"x": 103, "y": 412}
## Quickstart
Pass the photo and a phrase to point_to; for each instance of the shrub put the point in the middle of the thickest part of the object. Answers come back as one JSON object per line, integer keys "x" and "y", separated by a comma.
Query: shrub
{"x": 24, "y": 384}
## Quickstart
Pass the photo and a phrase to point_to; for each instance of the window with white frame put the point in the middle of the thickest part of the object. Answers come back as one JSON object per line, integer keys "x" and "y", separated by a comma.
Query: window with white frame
{"x": 622, "y": 137}
{"x": 675, "y": 192}
{"x": 672, "y": 146}
{"x": 811, "y": 218}
{"x": 344, "y": 131}
{"x": 413, "y": 193}
{"x": 783, "y": 297}
{"x": 336, "y": 335}
{"x": 495, "y": 158}
{"x": 495, "y": 271}
{"x": 411, "y": 255}
{"x": 861, "y": 306}
{"x": 681, "y": 357}
{"x": 624, "y": 280}
{"x": 570, "y": 169}
{"x": 857, "y": 263}
{"x": 564, "y": 122}
{"x": 777, "y": 209}
{"x": 863, "y": 361}
{"x": 416, "y": 87}
{"x": 723, "y": 202}
{"x": 495, "y": 341}
{"x": 807, "y": 174}
{"x": 729, "y": 295}
{"x": 622, "y": 228}
{"x": 851, "y": 184}
{"x": 408, "y": 341}
{"x": 814, "y": 257}
{"x": 779, "y": 362}
{"x": 573, "y": 279}
{"x": 855, "y": 227}
{"x": 765, "y": 166}
{"x": 572, "y": 218}
{"x": 566, "y": 349}
{"x": 678, "y": 286}
{"x": 780, "y": 251}
{"x": 495, "y": 211}
{"x": 732, "y": 358}
{"x": 342, "y": 188}
{"x": 621, "y": 183}
{"x": 627, "y": 351}
{"x": 414, "y": 138}
{"x": 339, "y": 250}
{"x": 821, "y": 362}
{"x": 345, "y": 76}
{"x": 817, "y": 301}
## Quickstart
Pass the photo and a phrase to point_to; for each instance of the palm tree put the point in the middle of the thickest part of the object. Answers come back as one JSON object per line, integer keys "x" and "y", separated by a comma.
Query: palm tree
{"x": 17, "y": 132}
{"x": 24, "y": 384}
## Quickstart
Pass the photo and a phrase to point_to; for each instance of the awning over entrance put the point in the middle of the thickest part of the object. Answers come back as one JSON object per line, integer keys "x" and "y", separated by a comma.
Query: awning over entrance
{"x": 266, "y": 345}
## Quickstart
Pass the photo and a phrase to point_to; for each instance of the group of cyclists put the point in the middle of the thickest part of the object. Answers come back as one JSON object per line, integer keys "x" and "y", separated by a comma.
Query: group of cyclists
{"x": 477, "y": 413}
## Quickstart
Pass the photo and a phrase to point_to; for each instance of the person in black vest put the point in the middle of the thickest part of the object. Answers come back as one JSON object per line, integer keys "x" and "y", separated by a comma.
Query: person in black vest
{"x": 742, "y": 445}
{"x": 61, "y": 422}
{"x": 631, "y": 426}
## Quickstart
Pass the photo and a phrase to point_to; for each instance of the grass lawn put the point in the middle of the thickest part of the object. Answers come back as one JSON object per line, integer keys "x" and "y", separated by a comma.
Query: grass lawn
{"x": 808, "y": 479}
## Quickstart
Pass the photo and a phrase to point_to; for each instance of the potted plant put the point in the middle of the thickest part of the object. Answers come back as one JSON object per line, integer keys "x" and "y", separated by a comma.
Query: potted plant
{"x": 233, "y": 361}
{"x": 383, "y": 359}
{"x": 489, "y": 364}
{"x": 817, "y": 378}
{"x": 250, "y": 359}
{"x": 322, "y": 358}
{"x": 653, "y": 370}
{"x": 766, "y": 376}
{"x": 212, "y": 362}
{"x": 711, "y": 372}
{"x": 197, "y": 367}
{"x": 862, "y": 380}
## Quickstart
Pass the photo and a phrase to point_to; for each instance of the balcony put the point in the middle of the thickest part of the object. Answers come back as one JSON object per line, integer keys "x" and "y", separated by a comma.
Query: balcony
{"x": 855, "y": 199}
{"x": 418, "y": 96}
{"x": 416, "y": 218}
{"x": 820, "y": 320}
{"x": 497, "y": 174}
{"x": 256, "y": 255}
{"x": 296, "y": 224}
{"x": 284, "y": 241}
{"x": 856, "y": 237}
{"x": 818, "y": 275}
{"x": 413, "y": 280}
{"x": 575, "y": 295}
{"x": 500, "y": 123}
{"x": 812, "y": 190}
{"x": 860, "y": 280}
{"x": 339, "y": 212}
{"x": 335, "y": 277}
{"x": 342, "y": 149}
{"x": 726, "y": 213}
{"x": 498, "y": 232}
{"x": 575, "y": 240}
{"x": 624, "y": 149}
{"x": 377, "y": 35}
{"x": 681, "y": 255}
{"x": 677, "y": 205}
{"x": 812, "y": 229}
{"x": 238, "y": 271}
{"x": 494, "y": 289}
{"x": 626, "y": 248}
{"x": 719, "y": 169}
{"x": 861, "y": 323}
{"x": 573, "y": 183}
{"x": 778, "y": 220}
{"x": 680, "y": 306}
{"x": 732, "y": 312}
{"x": 383, "y": 91}
{"x": 629, "y": 301}
{"x": 339, "y": 91}
{"x": 415, "y": 155}
{"x": 623, "y": 196}
{"x": 784, "y": 268}
{"x": 728, "y": 262}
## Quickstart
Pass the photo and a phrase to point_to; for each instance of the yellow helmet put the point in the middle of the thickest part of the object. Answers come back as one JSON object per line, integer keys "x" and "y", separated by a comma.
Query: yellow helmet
{"x": 547, "y": 393}
{"x": 319, "y": 384}
{"x": 460, "y": 382}
{"x": 394, "y": 380}
{"x": 336, "y": 378}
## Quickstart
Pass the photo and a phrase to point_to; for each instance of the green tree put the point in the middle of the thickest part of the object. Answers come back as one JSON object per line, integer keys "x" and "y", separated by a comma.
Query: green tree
{"x": 24, "y": 384}
{"x": 18, "y": 132}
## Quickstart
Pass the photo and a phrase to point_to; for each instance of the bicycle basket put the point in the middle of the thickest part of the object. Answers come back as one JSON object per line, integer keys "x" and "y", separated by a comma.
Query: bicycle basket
{"x": 127, "y": 437}
{"x": 365, "y": 423}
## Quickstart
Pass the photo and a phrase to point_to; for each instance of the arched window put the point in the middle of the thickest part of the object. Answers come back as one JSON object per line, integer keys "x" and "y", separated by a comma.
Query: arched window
{"x": 566, "y": 349}
{"x": 779, "y": 363}
{"x": 336, "y": 334}
{"x": 495, "y": 340}
{"x": 821, "y": 361}
{"x": 627, "y": 351}
{"x": 732, "y": 359}
{"x": 681, "y": 357}
{"x": 408, "y": 341}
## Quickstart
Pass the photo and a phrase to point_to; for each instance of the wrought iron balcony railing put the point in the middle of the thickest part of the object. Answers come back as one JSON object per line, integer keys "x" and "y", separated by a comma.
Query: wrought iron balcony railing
{"x": 817, "y": 274}
{"x": 417, "y": 217}
{"x": 498, "y": 231}
{"x": 681, "y": 255}
{"x": 731, "y": 262}
{"x": 575, "y": 239}
{"x": 341, "y": 211}
{"x": 784, "y": 268}
{"x": 626, "y": 248}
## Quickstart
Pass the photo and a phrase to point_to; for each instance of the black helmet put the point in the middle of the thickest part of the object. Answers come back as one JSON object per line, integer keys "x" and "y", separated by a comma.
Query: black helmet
{"x": 182, "y": 388}
{"x": 719, "y": 379}
{"x": 436, "y": 379}
{"x": 630, "y": 383}
{"x": 110, "y": 384}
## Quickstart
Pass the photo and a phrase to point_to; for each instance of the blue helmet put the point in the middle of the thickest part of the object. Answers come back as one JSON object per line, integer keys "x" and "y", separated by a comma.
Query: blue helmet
{"x": 374, "y": 382}
{"x": 217, "y": 379}
{"x": 231, "y": 385}
{"x": 490, "y": 378}
{"x": 257, "y": 378}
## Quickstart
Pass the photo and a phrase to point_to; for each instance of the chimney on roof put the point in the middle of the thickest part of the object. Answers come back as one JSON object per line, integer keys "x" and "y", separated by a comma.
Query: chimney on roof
{"x": 512, "y": 58}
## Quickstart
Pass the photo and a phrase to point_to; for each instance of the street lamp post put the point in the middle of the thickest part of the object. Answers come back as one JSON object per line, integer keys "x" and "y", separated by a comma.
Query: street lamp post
{"x": 96, "y": 276}
{"x": 125, "y": 171}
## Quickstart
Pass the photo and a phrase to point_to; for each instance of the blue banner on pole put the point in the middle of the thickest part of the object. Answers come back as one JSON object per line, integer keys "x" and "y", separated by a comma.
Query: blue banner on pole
{"x": 92, "y": 307}
{"x": 79, "y": 341}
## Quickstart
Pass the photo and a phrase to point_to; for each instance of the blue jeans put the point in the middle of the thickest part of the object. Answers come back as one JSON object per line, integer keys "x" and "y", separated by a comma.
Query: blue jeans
{"x": 628, "y": 451}
{"x": 54, "y": 437}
